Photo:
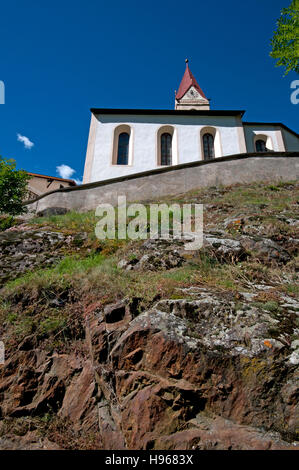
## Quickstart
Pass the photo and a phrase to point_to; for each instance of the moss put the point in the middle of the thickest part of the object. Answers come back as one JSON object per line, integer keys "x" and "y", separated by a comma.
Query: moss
{"x": 274, "y": 332}
{"x": 292, "y": 288}
{"x": 11, "y": 318}
{"x": 6, "y": 222}
{"x": 252, "y": 367}
{"x": 220, "y": 348}
{"x": 271, "y": 306}
{"x": 24, "y": 327}
{"x": 52, "y": 325}
{"x": 273, "y": 187}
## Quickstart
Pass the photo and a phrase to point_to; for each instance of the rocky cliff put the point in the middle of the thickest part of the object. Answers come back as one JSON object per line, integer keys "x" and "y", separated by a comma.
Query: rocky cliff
{"x": 143, "y": 345}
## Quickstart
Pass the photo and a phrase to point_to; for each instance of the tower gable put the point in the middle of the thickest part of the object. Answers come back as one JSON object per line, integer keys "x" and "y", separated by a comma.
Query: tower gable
{"x": 189, "y": 94}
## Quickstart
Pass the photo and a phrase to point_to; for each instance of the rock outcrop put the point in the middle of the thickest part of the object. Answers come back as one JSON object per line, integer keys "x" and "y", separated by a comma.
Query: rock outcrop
{"x": 24, "y": 249}
{"x": 187, "y": 374}
{"x": 173, "y": 356}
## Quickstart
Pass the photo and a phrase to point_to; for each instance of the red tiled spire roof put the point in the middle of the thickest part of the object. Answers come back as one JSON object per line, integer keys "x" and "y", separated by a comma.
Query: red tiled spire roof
{"x": 188, "y": 80}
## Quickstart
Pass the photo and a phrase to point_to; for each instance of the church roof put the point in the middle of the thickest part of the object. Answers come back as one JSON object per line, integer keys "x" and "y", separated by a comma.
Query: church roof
{"x": 188, "y": 80}
{"x": 167, "y": 112}
{"x": 72, "y": 182}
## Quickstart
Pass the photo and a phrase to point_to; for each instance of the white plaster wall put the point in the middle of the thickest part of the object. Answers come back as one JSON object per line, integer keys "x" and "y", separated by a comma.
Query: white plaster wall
{"x": 145, "y": 128}
{"x": 189, "y": 95}
{"x": 291, "y": 141}
{"x": 263, "y": 129}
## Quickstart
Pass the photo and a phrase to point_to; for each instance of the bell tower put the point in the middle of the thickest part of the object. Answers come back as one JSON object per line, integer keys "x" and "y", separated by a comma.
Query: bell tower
{"x": 189, "y": 95}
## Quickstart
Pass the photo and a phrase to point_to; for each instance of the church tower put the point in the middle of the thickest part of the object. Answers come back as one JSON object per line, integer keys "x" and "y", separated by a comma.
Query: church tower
{"x": 189, "y": 95}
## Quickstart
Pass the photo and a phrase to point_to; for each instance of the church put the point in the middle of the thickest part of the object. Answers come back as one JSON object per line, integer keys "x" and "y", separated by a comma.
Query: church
{"x": 127, "y": 141}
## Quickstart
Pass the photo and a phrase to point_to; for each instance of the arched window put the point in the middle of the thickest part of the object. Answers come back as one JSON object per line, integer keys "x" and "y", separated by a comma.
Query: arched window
{"x": 123, "y": 148}
{"x": 166, "y": 149}
{"x": 208, "y": 146}
{"x": 260, "y": 146}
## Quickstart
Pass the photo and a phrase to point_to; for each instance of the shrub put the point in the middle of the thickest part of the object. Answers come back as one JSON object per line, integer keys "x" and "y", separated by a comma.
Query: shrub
{"x": 13, "y": 188}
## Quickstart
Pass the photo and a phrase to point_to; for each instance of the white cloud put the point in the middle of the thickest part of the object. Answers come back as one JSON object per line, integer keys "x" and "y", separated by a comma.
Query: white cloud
{"x": 27, "y": 142}
{"x": 65, "y": 171}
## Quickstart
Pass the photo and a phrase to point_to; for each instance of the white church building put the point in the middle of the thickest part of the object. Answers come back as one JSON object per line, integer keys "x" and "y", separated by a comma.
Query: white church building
{"x": 128, "y": 141}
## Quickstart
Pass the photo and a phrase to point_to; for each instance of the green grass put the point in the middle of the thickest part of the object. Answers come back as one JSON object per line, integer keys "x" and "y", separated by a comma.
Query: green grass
{"x": 52, "y": 325}
{"x": 258, "y": 195}
{"x": 292, "y": 288}
{"x": 271, "y": 306}
{"x": 92, "y": 274}
{"x": 60, "y": 275}
{"x": 276, "y": 195}
{"x": 74, "y": 264}
{"x": 264, "y": 200}
{"x": 71, "y": 221}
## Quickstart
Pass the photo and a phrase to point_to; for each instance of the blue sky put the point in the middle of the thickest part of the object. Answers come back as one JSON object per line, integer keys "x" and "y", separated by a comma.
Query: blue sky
{"x": 60, "y": 58}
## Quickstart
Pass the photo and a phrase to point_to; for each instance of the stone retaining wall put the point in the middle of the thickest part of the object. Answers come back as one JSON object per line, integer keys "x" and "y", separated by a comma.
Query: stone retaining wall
{"x": 150, "y": 185}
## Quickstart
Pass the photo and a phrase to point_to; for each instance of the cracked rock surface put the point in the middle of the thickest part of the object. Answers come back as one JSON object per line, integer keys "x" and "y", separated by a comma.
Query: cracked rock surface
{"x": 150, "y": 346}
{"x": 199, "y": 373}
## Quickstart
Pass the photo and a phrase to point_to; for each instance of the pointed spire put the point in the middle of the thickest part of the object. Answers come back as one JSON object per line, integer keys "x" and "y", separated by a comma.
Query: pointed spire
{"x": 188, "y": 80}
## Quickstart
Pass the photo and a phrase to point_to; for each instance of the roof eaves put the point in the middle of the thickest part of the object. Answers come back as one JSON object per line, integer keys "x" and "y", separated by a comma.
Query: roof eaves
{"x": 72, "y": 182}
{"x": 177, "y": 112}
{"x": 271, "y": 124}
